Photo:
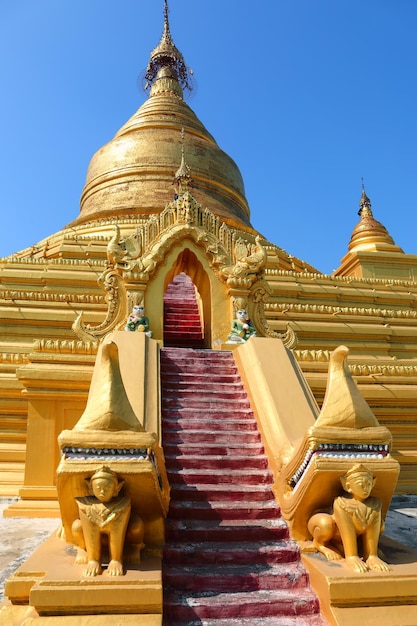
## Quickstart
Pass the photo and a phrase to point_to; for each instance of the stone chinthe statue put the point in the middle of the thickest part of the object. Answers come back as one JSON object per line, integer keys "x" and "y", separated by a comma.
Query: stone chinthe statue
{"x": 104, "y": 515}
{"x": 355, "y": 515}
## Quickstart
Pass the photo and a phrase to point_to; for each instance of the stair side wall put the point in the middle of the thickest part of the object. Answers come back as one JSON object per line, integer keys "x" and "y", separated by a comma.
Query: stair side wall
{"x": 280, "y": 397}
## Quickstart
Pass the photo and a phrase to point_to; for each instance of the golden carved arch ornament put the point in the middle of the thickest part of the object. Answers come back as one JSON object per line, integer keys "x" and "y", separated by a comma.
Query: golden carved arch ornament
{"x": 237, "y": 258}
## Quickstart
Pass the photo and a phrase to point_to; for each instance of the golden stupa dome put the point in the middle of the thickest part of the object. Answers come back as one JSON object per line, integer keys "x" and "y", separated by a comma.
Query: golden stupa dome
{"x": 369, "y": 234}
{"x": 134, "y": 172}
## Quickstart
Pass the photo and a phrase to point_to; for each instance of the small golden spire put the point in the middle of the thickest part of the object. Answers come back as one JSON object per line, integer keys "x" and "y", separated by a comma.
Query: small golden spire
{"x": 369, "y": 234}
{"x": 183, "y": 173}
{"x": 166, "y": 55}
{"x": 364, "y": 204}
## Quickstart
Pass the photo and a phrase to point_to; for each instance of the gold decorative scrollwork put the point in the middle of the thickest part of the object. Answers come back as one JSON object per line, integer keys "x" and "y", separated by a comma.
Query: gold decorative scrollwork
{"x": 259, "y": 296}
{"x": 112, "y": 282}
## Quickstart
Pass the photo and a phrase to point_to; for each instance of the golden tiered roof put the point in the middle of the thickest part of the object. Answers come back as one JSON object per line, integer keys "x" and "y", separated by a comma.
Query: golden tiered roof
{"x": 132, "y": 173}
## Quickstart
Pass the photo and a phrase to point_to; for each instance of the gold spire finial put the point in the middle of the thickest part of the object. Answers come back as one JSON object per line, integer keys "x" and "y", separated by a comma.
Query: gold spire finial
{"x": 166, "y": 55}
{"x": 364, "y": 204}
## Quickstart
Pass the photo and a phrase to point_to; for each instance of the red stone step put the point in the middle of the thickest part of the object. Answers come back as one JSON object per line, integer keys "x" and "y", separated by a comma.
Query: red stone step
{"x": 184, "y": 302}
{"x": 182, "y": 327}
{"x": 232, "y": 530}
{"x": 223, "y": 510}
{"x": 228, "y": 399}
{"x": 300, "y": 620}
{"x": 209, "y": 436}
{"x": 200, "y": 356}
{"x": 217, "y": 374}
{"x": 182, "y": 316}
{"x": 305, "y": 620}
{"x": 181, "y": 322}
{"x": 213, "y": 449}
{"x": 212, "y": 492}
{"x": 185, "y": 388}
{"x": 175, "y": 291}
{"x": 237, "y": 578}
{"x": 201, "y": 367}
{"x": 210, "y": 394}
{"x": 171, "y": 329}
{"x": 192, "y": 337}
{"x": 238, "y": 410}
{"x": 181, "y": 289}
{"x": 181, "y": 311}
{"x": 182, "y": 419}
{"x": 204, "y": 370}
{"x": 207, "y": 372}
{"x": 219, "y": 492}
{"x": 214, "y": 378}
{"x": 219, "y": 477}
{"x": 187, "y": 334}
{"x": 206, "y": 403}
{"x": 220, "y": 553}
{"x": 197, "y": 357}
{"x": 217, "y": 462}
{"x": 259, "y": 604}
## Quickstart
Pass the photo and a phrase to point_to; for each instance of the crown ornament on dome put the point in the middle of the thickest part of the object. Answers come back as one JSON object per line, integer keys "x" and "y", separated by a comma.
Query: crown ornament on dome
{"x": 167, "y": 56}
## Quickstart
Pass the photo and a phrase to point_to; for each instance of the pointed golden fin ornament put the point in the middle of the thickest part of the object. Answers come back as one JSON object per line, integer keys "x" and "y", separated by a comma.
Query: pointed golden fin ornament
{"x": 343, "y": 406}
{"x": 108, "y": 407}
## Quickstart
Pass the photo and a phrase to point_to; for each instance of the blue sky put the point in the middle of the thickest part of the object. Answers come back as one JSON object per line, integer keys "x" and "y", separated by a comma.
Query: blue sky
{"x": 307, "y": 96}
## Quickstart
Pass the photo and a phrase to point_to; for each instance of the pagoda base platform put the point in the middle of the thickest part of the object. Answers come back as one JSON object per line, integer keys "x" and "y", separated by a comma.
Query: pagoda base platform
{"x": 383, "y": 598}
{"x": 51, "y": 588}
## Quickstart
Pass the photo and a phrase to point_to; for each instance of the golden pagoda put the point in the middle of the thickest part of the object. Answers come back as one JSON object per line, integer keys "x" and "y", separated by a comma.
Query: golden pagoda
{"x": 162, "y": 199}
{"x": 368, "y": 302}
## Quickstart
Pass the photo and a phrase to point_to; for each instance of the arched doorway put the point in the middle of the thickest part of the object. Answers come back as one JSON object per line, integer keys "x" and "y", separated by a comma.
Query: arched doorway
{"x": 187, "y": 303}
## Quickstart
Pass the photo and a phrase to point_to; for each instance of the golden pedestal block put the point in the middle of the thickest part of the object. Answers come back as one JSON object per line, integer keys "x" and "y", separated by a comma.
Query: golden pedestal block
{"x": 53, "y": 585}
{"x": 351, "y": 599}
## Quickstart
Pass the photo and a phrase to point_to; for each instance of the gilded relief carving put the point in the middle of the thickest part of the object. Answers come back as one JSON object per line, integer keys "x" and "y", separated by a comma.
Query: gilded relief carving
{"x": 249, "y": 261}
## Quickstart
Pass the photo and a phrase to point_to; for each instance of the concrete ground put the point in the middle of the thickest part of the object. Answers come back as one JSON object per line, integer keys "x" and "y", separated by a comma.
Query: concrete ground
{"x": 20, "y": 536}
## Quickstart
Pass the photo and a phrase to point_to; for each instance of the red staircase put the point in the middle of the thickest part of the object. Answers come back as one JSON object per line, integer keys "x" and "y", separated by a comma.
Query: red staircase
{"x": 228, "y": 559}
{"x": 182, "y": 322}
